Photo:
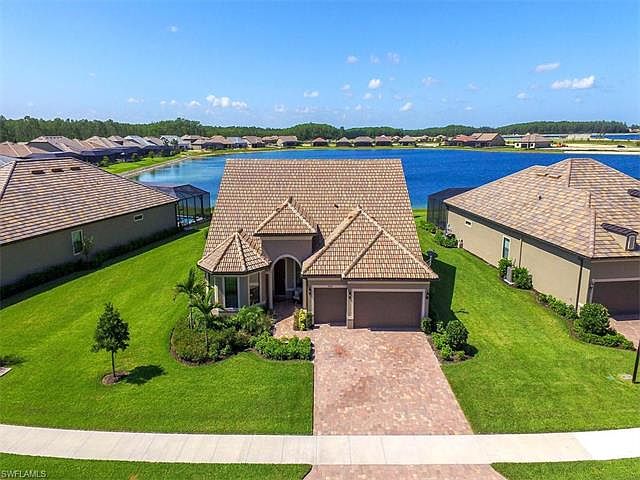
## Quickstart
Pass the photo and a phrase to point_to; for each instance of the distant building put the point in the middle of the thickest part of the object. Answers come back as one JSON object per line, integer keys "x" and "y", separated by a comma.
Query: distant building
{"x": 408, "y": 141}
{"x": 533, "y": 140}
{"x": 51, "y": 208}
{"x": 344, "y": 142}
{"x": 236, "y": 142}
{"x": 175, "y": 141}
{"x": 287, "y": 141}
{"x": 270, "y": 140}
{"x": 383, "y": 141}
{"x": 194, "y": 204}
{"x": 319, "y": 142}
{"x": 363, "y": 141}
{"x": 477, "y": 140}
{"x": 22, "y": 150}
{"x": 254, "y": 142}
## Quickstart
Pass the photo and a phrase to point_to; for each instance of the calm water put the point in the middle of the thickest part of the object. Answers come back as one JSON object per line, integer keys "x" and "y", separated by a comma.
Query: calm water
{"x": 426, "y": 171}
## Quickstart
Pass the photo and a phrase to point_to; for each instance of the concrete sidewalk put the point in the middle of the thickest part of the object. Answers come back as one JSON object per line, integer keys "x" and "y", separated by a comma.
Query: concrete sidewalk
{"x": 321, "y": 449}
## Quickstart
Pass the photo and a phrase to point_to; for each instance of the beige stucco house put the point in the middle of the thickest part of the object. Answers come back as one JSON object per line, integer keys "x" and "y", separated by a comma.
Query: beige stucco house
{"x": 573, "y": 224}
{"x": 336, "y": 235}
{"x": 48, "y": 208}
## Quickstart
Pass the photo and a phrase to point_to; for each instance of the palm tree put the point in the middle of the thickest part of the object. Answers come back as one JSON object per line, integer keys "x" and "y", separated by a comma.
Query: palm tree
{"x": 191, "y": 287}
{"x": 203, "y": 304}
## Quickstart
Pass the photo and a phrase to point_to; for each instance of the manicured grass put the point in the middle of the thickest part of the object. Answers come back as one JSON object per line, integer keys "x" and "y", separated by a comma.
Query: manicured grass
{"x": 529, "y": 375}
{"x": 69, "y": 469}
{"x": 627, "y": 469}
{"x": 58, "y": 382}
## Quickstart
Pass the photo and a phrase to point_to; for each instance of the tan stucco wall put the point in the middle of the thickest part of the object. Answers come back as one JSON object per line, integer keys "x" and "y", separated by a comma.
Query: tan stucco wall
{"x": 619, "y": 268}
{"x": 299, "y": 248}
{"x": 554, "y": 270}
{"x": 37, "y": 254}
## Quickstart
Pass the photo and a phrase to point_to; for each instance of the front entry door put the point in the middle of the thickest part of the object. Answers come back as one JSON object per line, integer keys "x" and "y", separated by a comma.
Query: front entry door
{"x": 279, "y": 277}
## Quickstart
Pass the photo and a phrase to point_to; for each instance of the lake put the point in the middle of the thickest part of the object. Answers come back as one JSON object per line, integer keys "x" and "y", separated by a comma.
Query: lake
{"x": 426, "y": 170}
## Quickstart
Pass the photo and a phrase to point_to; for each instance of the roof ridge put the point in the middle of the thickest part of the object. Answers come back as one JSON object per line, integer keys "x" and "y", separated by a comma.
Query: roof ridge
{"x": 228, "y": 241}
{"x": 339, "y": 230}
{"x": 362, "y": 253}
{"x": 250, "y": 242}
{"x": 298, "y": 211}
{"x": 243, "y": 257}
{"x": 11, "y": 166}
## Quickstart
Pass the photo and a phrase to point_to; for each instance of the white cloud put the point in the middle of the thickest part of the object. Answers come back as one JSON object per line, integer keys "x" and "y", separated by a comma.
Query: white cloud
{"x": 279, "y": 108}
{"x": 575, "y": 84}
{"x": 367, "y": 96}
{"x": 173, "y": 102}
{"x": 473, "y": 87}
{"x": 92, "y": 74}
{"x": 225, "y": 102}
{"x": 522, "y": 96}
{"x": 357, "y": 108}
{"x": 304, "y": 110}
{"x": 393, "y": 58}
{"x": 134, "y": 100}
{"x": 429, "y": 81}
{"x": 547, "y": 67}
{"x": 406, "y": 107}
{"x": 375, "y": 83}
{"x": 311, "y": 94}
{"x": 346, "y": 87}
{"x": 163, "y": 102}
{"x": 352, "y": 59}
{"x": 374, "y": 59}
{"x": 193, "y": 104}
{"x": 173, "y": 28}
{"x": 468, "y": 108}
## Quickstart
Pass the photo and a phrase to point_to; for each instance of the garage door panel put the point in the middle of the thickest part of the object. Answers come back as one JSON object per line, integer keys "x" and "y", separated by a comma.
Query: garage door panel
{"x": 330, "y": 305}
{"x": 387, "y": 310}
{"x": 620, "y": 298}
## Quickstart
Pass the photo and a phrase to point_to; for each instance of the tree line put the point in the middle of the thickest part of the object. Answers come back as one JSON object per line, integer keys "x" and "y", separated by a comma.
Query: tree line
{"x": 28, "y": 128}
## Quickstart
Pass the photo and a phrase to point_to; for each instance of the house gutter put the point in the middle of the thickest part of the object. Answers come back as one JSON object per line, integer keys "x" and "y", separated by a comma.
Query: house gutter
{"x": 579, "y": 282}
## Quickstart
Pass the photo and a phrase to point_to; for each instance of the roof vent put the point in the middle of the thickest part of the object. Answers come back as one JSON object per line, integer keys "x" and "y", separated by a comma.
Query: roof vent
{"x": 37, "y": 172}
{"x": 57, "y": 169}
{"x": 634, "y": 192}
{"x": 75, "y": 169}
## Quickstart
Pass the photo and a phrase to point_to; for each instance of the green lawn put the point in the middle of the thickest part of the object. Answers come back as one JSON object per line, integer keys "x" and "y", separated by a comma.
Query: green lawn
{"x": 67, "y": 469}
{"x": 58, "y": 382}
{"x": 529, "y": 375}
{"x": 628, "y": 469}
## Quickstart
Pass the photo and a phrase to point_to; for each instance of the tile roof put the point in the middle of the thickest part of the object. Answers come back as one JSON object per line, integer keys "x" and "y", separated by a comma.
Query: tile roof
{"x": 535, "y": 138}
{"x": 287, "y": 219}
{"x": 327, "y": 191}
{"x": 43, "y": 196}
{"x": 564, "y": 204}
{"x": 236, "y": 254}
{"x": 360, "y": 248}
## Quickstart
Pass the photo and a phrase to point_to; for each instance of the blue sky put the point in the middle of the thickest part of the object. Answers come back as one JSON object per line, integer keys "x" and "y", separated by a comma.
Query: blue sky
{"x": 406, "y": 64}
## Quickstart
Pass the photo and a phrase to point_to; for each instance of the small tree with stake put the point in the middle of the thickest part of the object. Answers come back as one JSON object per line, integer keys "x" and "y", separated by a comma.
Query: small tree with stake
{"x": 112, "y": 334}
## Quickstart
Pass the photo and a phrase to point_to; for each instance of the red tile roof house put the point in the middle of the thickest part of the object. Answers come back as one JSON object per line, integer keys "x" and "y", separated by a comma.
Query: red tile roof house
{"x": 338, "y": 235}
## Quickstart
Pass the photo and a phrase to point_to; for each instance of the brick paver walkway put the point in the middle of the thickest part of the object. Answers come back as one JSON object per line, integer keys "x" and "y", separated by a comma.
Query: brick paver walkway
{"x": 405, "y": 472}
{"x": 379, "y": 382}
{"x": 629, "y": 328}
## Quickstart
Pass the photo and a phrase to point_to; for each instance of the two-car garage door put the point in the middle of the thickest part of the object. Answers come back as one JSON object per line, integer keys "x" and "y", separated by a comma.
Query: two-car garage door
{"x": 621, "y": 298}
{"x": 387, "y": 309}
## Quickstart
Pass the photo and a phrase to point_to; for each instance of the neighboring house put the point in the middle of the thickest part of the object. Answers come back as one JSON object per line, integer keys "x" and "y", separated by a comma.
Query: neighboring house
{"x": 319, "y": 142}
{"x": 408, "y": 141}
{"x": 270, "y": 140}
{"x": 22, "y": 150}
{"x": 253, "y": 141}
{"x": 175, "y": 141}
{"x": 481, "y": 140}
{"x": 146, "y": 146}
{"x": 363, "y": 141}
{"x": 573, "y": 224}
{"x": 236, "y": 142}
{"x": 460, "y": 141}
{"x": 114, "y": 151}
{"x": 50, "y": 208}
{"x": 383, "y": 141}
{"x": 533, "y": 140}
{"x": 189, "y": 139}
{"x": 194, "y": 204}
{"x": 344, "y": 142}
{"x": 437, "y": 210}
{"x": 338, "y": 235}
{"x": 59, "y": 146}
{"x": 287, "y": 141}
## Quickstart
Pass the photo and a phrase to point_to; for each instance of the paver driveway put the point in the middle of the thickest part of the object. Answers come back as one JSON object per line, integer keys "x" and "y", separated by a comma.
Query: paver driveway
{"x": 629, "y": 328}
{"x": 379, "y": 382}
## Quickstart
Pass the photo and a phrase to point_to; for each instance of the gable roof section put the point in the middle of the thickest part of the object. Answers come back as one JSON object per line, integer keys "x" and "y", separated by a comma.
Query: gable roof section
{"x": 360, "y": 248}
{"x": 287, "y": 219}
{"x": 64, "y": 193}
{"x": 236, "y": 254}
{"x": 325, "y": 193}
{"x": 564, "y": 204}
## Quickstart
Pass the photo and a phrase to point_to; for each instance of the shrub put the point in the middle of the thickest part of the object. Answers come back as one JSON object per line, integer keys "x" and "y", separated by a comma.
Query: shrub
{"x": 225, "y": 342}
{"x": 292, "y": 348}
{"x": 612, "y": 339}
{"x": 459, "y": 355}
{"x": 439, "y": 340}
{"x": 188, "y": 343}
{"x": 456, "y": 334}
{"x": 563, "y": 309}
{"x": 446, "y": 352}
{"x": 593, "y": 318}
{"x": 447, "y": 241}
{"x": 427, "y": 325}
{"x": 430, "y": 227}
{"x": 252, "y": 320}
{"x": 522, "y": 278}
{"x": 503, "y": 264}
{"x": 302, "y": 319}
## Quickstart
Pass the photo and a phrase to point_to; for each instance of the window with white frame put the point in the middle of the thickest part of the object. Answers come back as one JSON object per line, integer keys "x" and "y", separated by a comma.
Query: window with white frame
{"x": 467, "y": 223}
{"x": 254, "y": 288}
{"x": 77, "y": 242}
{"x": 230, "y": 292}
{"x": 506, "y": 247}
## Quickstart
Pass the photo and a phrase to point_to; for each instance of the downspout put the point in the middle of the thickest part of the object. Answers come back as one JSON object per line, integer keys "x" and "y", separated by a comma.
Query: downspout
{"x": 579, "y": 282}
